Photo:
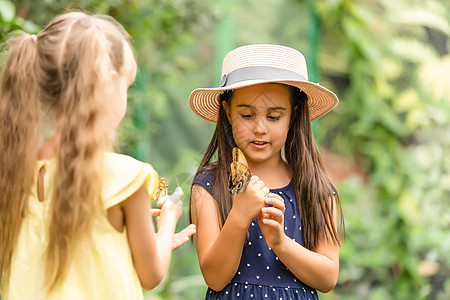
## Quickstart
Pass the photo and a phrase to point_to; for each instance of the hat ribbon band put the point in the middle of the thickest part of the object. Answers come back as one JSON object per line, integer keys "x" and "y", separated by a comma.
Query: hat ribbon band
{"x": 259, "y": 73}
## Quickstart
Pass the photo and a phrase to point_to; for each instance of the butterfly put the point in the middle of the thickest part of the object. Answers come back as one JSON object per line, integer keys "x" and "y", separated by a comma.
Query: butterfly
{"x": 240, "y": 173}
{"x": 162, "y": 190}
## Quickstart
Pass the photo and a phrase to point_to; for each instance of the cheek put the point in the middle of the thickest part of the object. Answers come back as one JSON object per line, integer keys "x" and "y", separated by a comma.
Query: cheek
{"x": 123, "y": 104}
{"x": 241, "y": 131}
{"x": 120, "y": 107}
{"x": 282, "y": 131}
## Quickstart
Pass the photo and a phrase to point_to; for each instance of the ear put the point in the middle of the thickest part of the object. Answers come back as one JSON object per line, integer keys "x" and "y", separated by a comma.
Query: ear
{"x": 227, "y": 110}
{"x": 114, "y": 74}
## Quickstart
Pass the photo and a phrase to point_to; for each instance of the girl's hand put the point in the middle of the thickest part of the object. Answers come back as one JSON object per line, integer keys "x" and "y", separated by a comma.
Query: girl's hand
{"x": 271, "y": 221}
{"x": 248, "y": 204}
{"x": 183, "y": 236}
{"x": 168, "y": 212}
{"x": 156, "y": 213}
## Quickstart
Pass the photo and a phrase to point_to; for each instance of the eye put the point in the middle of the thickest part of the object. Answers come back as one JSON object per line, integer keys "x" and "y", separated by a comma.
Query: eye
{"x": 246, "y": 116}
{"x": 273, "y": 118}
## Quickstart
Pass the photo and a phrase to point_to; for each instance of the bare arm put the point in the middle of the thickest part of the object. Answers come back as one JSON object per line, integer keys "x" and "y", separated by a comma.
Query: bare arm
{"x": 151, "y": 253}
{"x": 219, "y": 251}
{"x": 318, "y": 268}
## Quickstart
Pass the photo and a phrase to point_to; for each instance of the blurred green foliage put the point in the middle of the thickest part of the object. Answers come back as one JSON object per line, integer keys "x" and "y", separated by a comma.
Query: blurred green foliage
{"x": 389, "y": 63}
{"x": 394, "y": 122}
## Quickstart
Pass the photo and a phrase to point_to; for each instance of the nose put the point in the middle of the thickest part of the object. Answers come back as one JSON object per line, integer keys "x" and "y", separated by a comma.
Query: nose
{"x": 260, "y": 126}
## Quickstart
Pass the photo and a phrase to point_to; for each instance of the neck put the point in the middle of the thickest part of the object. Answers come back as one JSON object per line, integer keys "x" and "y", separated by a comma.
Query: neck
{"x": 274, "y": 172}
{"x": 48, "y": 150}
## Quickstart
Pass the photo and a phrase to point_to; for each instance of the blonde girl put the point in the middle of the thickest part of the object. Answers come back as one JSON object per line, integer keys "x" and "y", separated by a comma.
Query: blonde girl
{"x": 278, "y": 238}
{"x": 75, "y": 220}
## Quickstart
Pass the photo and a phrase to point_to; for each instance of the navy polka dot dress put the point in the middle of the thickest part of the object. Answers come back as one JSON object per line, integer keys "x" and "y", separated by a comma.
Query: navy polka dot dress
{"x": 261, "y": 275}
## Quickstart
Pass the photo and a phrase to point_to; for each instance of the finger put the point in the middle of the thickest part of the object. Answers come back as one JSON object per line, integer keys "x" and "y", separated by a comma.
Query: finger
{"x": 178, "y": 242}
{"x": 254, "y": 178}
{"x": 273, "y": 213}
{"x": 275, "y": 201}
{"x": 183, "y": 236}
{"x": 162, "y": 200}
{"x": 176, "y": 197}
{"x": 276, "y": 196}
{"x": 155, "y": 212}
{"x": 272, "y": 223}
{"x": 265, "y": 190}
{"x": 157, "y": 219}
{"x": 258, "y": 184}
{"x": 263, "y": 215}
{"x": 188, "y": 231}
{"x": 166, "y": 202}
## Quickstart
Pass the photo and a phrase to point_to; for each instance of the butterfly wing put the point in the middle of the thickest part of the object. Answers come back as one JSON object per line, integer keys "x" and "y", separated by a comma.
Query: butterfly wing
{"x": 239, "y": 173}
{"x": 162, "y": 190}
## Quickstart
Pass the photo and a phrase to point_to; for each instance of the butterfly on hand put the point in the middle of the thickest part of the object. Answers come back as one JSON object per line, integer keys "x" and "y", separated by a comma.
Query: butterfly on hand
{"x": 239, "y": 174}
{"x": 162, "y": 190}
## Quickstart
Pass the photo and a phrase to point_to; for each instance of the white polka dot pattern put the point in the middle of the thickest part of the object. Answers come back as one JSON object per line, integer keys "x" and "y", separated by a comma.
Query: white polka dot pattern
{"x": 261, "y": 273}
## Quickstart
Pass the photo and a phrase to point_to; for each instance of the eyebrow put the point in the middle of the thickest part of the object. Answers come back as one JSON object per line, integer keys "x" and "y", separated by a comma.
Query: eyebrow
{"x": 269, "y": 108}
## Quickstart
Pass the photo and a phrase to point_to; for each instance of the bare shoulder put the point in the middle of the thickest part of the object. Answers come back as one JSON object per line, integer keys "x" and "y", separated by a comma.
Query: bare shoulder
{"x": 202, "y": 203}
{"x": 200, "y": 194}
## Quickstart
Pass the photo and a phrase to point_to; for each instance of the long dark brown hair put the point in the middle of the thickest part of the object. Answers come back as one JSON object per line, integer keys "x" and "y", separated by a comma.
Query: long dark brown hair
{"x": 66, "y": 69}
{"x": 316, "y": 195}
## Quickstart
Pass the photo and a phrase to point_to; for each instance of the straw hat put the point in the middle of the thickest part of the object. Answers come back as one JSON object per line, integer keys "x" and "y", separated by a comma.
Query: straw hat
{"x": 262, "y": 63}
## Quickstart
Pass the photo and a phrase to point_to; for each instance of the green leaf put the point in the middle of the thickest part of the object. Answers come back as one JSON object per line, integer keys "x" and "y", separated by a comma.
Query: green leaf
{"x": 431, "y": 77}
{"x": 7, "y": 11}
{"x": 413, "y": 49}
{"x": 422, "y": 17}
{"x": 27, "y": 26}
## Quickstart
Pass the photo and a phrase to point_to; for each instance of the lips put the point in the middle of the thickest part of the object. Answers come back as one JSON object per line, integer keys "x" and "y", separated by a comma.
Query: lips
{"x": 259, "y": 144}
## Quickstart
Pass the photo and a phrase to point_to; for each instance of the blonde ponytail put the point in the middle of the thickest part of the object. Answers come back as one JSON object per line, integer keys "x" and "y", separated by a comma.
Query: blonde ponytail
{"x": 83, "y": 138}
{"x": 19, "y": 119}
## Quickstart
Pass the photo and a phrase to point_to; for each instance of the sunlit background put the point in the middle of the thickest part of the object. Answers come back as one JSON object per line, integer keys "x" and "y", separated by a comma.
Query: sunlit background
{"x": 386, "y": 145}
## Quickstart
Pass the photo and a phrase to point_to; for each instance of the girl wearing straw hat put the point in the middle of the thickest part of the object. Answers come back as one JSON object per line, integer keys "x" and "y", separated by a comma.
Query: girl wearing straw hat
{"x": 265, "y": 210}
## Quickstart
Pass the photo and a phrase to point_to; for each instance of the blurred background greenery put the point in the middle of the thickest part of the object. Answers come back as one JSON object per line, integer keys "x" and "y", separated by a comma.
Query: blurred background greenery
{"x": 386, "y": 145}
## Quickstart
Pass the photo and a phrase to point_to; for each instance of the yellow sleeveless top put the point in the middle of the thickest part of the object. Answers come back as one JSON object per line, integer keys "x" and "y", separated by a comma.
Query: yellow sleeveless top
{"x": 102, "y": 268}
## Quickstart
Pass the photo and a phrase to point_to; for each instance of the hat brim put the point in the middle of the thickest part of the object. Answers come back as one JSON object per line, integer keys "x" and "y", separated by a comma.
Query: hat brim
{"x": 204, "y": 102}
